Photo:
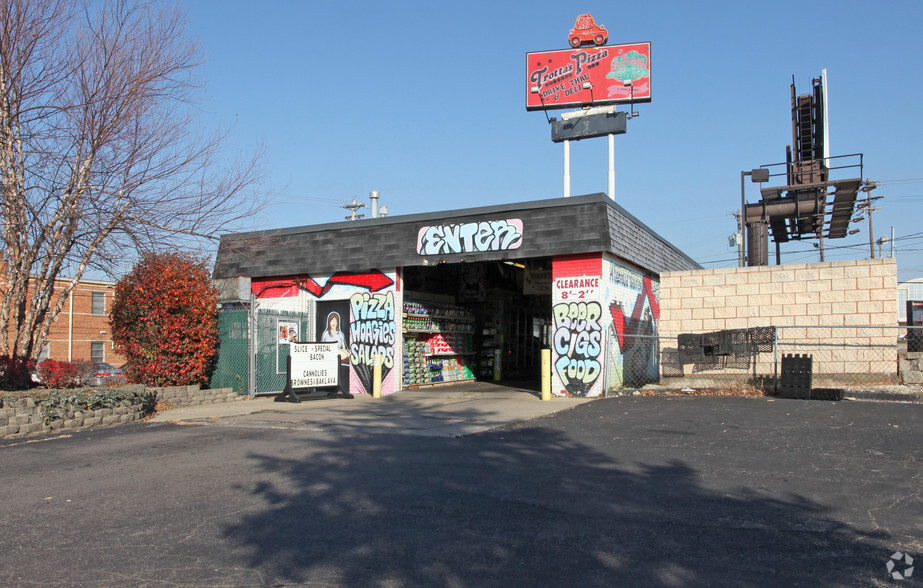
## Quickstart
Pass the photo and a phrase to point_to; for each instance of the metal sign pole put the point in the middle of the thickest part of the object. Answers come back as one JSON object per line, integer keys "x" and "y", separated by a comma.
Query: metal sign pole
{"x": 567, "y": 169}
{"x": 612, "y": 166}
{"x": 251, "y": 351}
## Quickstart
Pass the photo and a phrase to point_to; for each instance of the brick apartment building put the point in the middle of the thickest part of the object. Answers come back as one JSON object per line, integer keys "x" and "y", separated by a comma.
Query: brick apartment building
{"x": 81, "y": 331}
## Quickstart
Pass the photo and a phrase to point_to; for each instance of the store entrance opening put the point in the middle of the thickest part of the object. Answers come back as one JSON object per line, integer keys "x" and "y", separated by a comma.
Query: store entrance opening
{"x": 484, "y": 321}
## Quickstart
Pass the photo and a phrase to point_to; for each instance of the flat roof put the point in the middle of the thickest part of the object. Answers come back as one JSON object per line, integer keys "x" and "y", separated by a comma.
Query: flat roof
{"x": 559, "y": 226}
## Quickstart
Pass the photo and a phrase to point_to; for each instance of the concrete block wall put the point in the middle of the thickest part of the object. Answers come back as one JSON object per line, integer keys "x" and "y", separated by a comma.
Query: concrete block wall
{"x": 911, "y": 367}
{"x": 22, "y": 417}
{"x": 827, "y": 301}
{"x": 193, "y": 395}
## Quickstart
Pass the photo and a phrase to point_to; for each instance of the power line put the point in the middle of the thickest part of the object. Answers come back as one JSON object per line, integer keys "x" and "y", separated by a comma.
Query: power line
{"x": 904, "y": 181}
{"x": 295, "y": 198}
{"x": 910, "y": 236}
{"x": 915, "y": 236}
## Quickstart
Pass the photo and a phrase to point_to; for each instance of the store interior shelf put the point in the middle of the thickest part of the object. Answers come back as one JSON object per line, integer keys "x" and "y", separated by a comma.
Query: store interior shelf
{"x": 462, "y": 319}
{"x": 437, "y": 331}
{"x": 438, "y": 339}
{"x": 441, "y": 383}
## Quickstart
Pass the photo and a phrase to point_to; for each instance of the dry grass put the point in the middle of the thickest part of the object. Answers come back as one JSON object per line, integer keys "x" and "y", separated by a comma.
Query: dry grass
{"x": 160, "y": 406}
{"x": 742, "y": 392}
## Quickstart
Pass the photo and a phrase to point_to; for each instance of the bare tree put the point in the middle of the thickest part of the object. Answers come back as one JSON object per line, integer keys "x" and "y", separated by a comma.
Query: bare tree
{"x": 99, "y": 156}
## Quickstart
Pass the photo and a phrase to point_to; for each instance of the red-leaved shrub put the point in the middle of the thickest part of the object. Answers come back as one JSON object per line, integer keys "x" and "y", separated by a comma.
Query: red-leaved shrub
{"x": 15, "y": 372}
{"x": 64, "y": 374}
{"x": 164, "y": 320}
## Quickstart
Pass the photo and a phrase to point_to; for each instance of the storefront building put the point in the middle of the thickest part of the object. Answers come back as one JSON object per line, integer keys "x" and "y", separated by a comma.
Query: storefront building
{"x": 465, "y": 294}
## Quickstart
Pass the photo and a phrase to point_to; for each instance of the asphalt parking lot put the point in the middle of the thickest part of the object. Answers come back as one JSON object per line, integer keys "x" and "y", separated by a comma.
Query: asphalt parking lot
{"x": 640, "y": 490}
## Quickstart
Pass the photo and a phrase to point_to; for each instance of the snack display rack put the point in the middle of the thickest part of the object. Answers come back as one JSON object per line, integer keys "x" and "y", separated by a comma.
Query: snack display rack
{"x": 437, "y": 340}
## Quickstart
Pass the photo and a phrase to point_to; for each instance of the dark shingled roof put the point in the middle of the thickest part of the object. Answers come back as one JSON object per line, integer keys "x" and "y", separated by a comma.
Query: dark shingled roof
{"x": 560, "y": 226}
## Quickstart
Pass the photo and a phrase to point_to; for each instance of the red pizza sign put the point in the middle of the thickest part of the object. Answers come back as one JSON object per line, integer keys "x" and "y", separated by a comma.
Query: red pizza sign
{"x": 566, "y": 78}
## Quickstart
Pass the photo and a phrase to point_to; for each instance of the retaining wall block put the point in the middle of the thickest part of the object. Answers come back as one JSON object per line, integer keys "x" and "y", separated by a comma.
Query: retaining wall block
{"x": 31, "y": 428}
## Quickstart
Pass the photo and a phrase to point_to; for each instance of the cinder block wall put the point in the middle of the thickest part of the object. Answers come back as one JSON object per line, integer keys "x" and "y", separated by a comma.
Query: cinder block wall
{"x": 22, "y": 417}
{"x": 827, "y": 294}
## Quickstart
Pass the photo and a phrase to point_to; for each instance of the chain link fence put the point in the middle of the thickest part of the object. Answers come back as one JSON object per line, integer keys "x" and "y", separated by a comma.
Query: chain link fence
{"x": 841, "y": 357}
{"x": 233, "y": 365}
{"x": 275, "y": 330}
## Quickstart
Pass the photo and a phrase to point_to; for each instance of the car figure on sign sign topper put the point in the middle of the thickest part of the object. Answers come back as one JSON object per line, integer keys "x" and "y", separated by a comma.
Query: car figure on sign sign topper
{"x": 590, "y": 73}
{"x": 587, "y": 32}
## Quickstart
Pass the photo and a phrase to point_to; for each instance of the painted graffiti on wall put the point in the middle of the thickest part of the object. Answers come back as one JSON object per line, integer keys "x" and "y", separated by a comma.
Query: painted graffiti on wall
{"x": 289, "y": 286}
{"x": 498, "y": 235}
{"x": 577, "y": 345}
{"x": 644, "y": 313}
{"x": 634, "y": 310}
{"x": 368, "y": 316}
{"x": 372, "y": 332}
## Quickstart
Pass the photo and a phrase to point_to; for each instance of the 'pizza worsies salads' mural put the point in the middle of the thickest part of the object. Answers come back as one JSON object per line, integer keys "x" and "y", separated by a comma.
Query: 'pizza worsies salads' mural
{"x": 356, "y": 309}
{"x": 614, "y": 73}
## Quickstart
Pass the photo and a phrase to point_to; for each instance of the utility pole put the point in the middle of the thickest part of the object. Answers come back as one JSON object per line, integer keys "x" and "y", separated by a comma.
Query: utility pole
{"x": 353, "y": 207}
{"x": 867, "y": 188}
{"x": 740, "y": 240}
{"x": 871, "y": 232}
{"x": 885, "y": 239}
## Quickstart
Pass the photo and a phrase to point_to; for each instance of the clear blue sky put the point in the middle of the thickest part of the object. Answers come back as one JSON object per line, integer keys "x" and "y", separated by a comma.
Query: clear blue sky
{"x": 425, "y": 102}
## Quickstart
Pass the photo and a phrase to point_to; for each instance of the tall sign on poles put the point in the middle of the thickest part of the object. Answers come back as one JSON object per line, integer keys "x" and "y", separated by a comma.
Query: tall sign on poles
{"x": 596, "y": 77}
{"x": 590, "y": 76}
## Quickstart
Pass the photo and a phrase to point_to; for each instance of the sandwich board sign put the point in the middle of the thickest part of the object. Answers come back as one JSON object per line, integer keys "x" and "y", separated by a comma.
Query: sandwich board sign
{"x": 311, "y": 366}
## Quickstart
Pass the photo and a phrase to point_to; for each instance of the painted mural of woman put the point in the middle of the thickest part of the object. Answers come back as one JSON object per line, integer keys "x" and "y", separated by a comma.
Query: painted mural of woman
{"x": 333, "y": 334}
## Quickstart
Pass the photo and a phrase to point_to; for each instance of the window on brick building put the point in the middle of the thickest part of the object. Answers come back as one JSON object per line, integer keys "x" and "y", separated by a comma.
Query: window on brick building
{"x": 99, "y": 303}
{"x": 97, "y": 351}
